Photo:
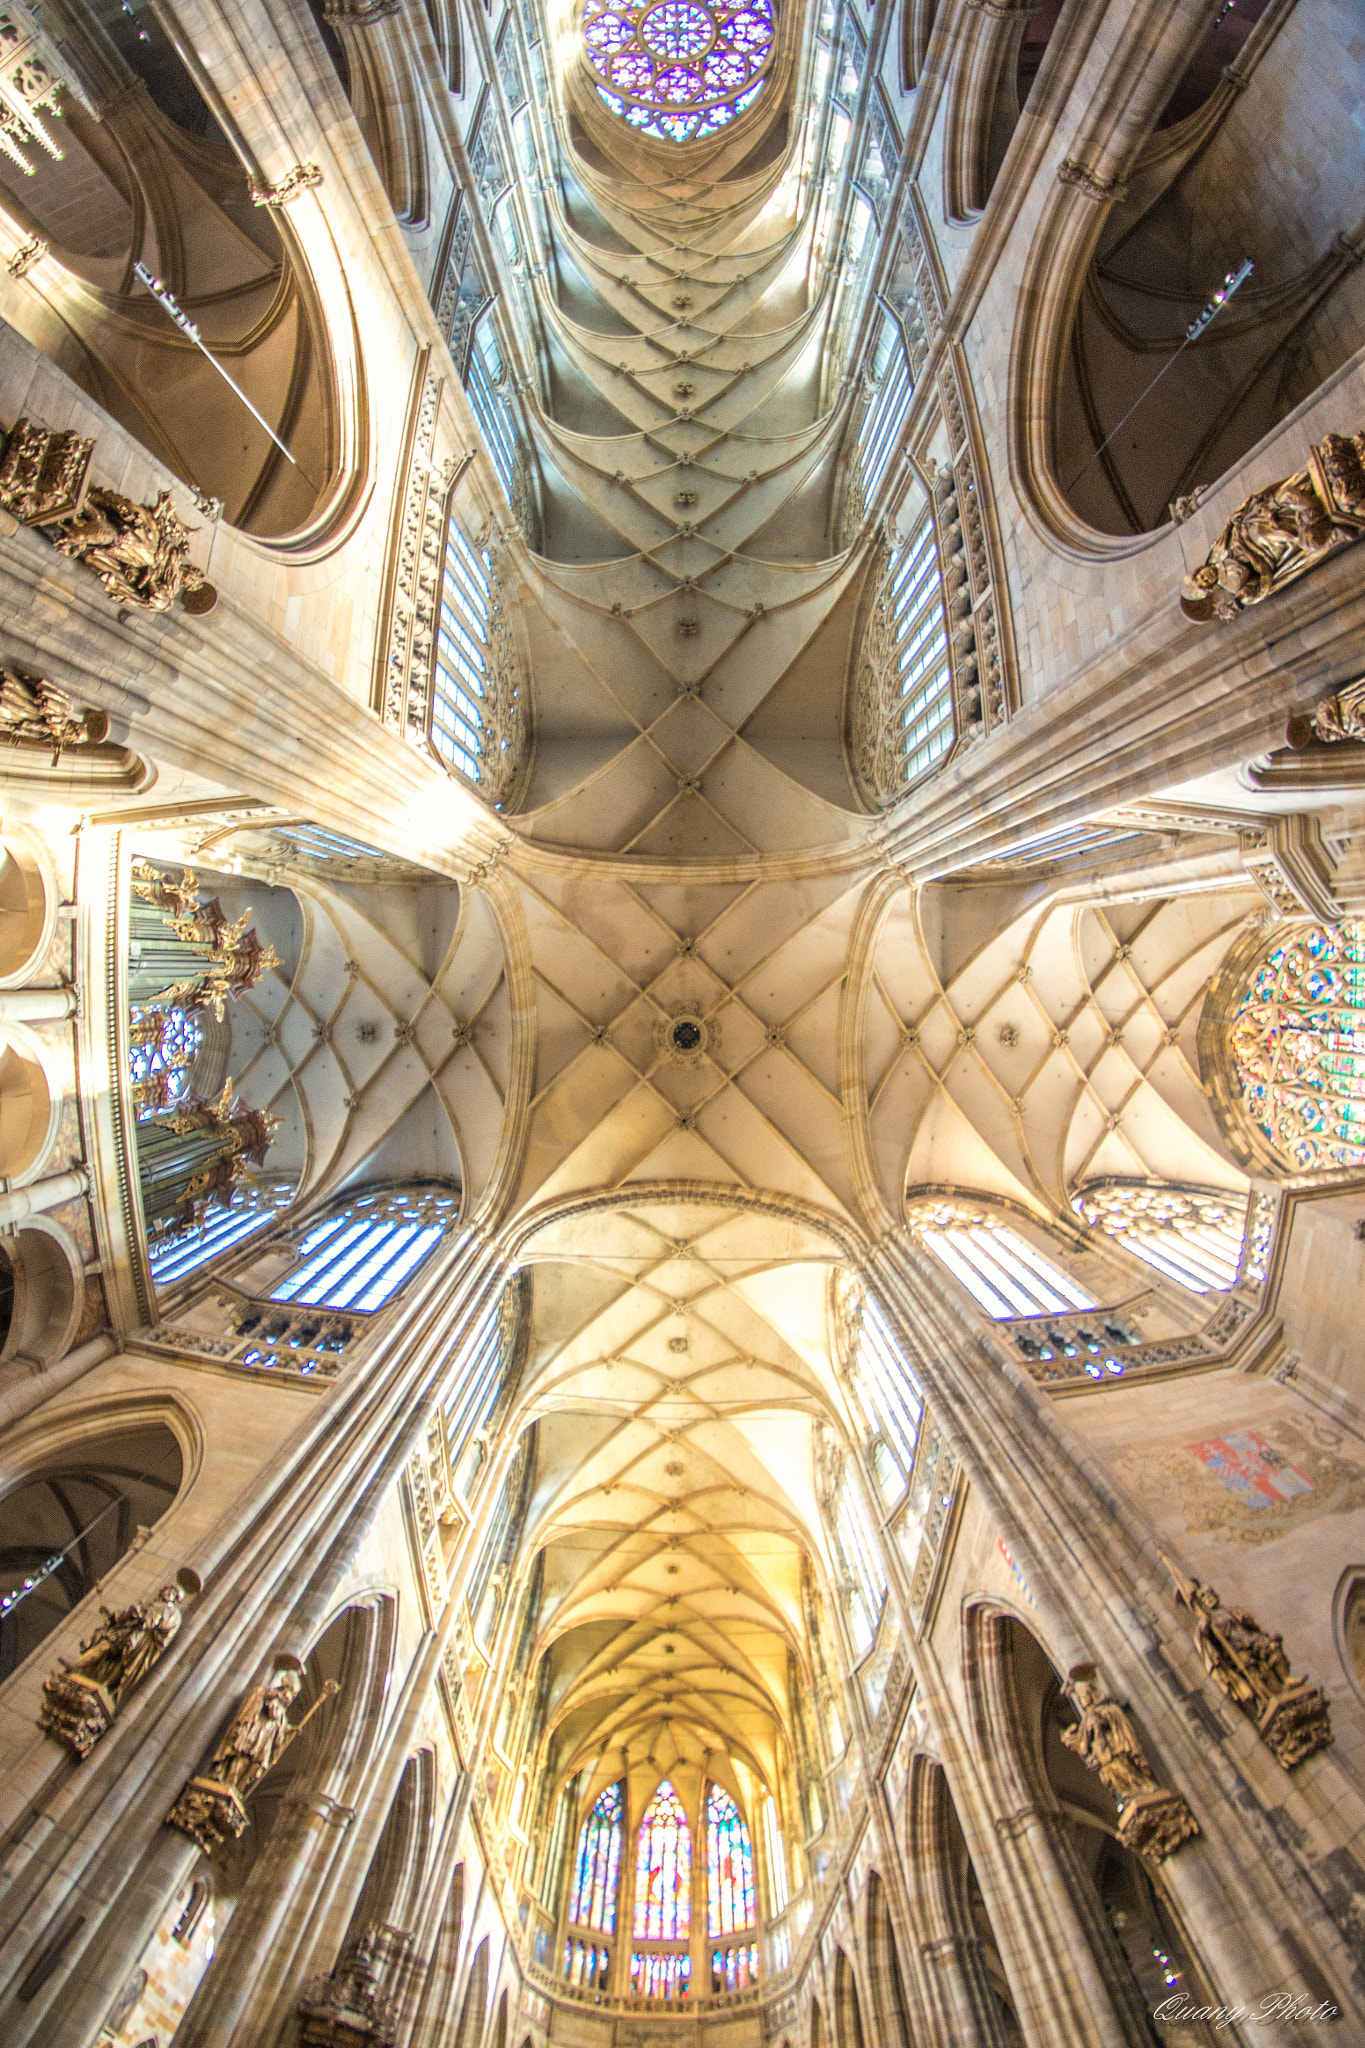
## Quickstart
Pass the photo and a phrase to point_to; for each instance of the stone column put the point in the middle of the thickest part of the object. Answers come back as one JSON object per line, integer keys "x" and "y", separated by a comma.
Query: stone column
{"x": 1103, "y": 1597}
{"x": 279, "y": 1554}
{"x": 36, "y": 1005}
{"x": 964, "y": 2012}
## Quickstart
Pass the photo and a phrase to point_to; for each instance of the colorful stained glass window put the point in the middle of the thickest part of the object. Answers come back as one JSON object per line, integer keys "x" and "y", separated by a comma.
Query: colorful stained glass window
{"x": 734, "y": 1969}
{"x": 587, "y": 1963}
{"x": 660, "y": 1976}
{"x": 729, "y": 1867}
{"x": 592, "y": 1902}
{"x": 678, "y": 69}
{"x": 1298, "y": 1046}
{"x": 663, "y": 1871}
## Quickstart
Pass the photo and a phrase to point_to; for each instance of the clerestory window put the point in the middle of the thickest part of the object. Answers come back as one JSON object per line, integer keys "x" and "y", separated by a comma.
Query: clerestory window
{"x": 663, "y": 1873}
{"x": 225, "y": 1224}
{"x": 730, "y": 1907}
{"x": 463, "y": 656}
{"x": 1192, "y": 1235}
{"x": 888, "y": 405}
{"x": 362, "y": 1252}
{"x": 485, "y": 381}
{"x": 999, "y": 1268}
{"x": 775, "y": 1843}
{"x": 891, "y": 1395}
{"x": 919, "y": 633}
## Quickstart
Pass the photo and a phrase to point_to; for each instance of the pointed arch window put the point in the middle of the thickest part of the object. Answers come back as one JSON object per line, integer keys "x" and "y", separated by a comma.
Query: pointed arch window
{"x": 999, "y": 1268}
{"x": 1297, "y": 1041}
{"x": 597, "y": 1864}
{"x": 663, "y": 1870}
{"x": 891, "y": 1396}
{"x": 485, "y": 382}
{"x": 729, "y": 1867}
{"x": 479, "y": 723}
{"x": 902, "y": 719}
{"x": 463, "y": 641}
{"x": 891, "y": 388}
{"x": 476, "y": 1386}
{"x": 359, "y": 1254}
{"x": 1192, "y": 1235}
{"x": 225, "y": 1225}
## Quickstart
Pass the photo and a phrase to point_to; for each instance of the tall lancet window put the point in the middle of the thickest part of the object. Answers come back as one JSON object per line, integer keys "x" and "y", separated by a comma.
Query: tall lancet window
{"x": 663, "y": 1870}
{"x": 479, "y": 722}
{"x": 597, "y": 1864}
{"x": 890, "y": 390}
{"x": 729, "y": 1867}
{"x": 463, "y": 645}
{"x": 485, "y": 381}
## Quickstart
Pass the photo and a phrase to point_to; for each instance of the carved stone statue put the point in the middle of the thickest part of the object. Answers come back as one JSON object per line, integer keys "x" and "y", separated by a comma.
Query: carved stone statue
{"x": 43, "y": 475}
{"x": 35, "y": 712}
{"x": 1339, "y": 717}
{"x": 212, "y": 1808}
{"x": 353, "y": 2004}
{"x": 1279, "y": 532}
{"x": 139, "y": 552}
{"x": 1292, "y": 1716}
{"x": 1152, "y": 1821}
{"x": 81, "y": 1700}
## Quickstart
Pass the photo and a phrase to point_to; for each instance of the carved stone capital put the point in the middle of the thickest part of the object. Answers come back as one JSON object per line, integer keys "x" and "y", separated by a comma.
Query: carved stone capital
{"x": 1094, "y": 184}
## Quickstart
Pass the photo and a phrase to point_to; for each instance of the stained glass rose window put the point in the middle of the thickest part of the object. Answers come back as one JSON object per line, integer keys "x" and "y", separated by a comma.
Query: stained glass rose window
{"x": 1298, "y": 1044}
{"x": 678, "y": 69}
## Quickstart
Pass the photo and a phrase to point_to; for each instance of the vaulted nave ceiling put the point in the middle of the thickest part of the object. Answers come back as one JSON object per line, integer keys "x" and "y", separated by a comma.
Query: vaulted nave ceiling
{"x": 695, "y": 616}
{"x": 692, "y": 850}
{"x": 683, "y": 1031}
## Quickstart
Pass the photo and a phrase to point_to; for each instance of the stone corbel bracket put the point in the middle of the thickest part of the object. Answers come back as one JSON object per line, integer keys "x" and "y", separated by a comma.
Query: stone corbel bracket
{"x": 1292, "y": 868}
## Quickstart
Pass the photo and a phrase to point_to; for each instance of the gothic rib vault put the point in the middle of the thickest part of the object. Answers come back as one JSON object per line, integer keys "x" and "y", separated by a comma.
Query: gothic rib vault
{"x": 740, "y": 1027}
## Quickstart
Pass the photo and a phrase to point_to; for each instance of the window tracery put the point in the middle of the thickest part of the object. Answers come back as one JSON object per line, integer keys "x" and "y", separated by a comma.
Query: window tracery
{"x": 162, "y": 1045}
{"x": 479, "y": 721}
{"x": 359, "y": 1254}
{"x": 663, "y": 1873}
{"x": 1192, "y": 1235}
{"x": 901, "y": 709}
{"x": 729, "y": 1867}
{"x": 593, "y": 1901}
{"x": 891, "y": 1396}
{"x": 477, "y": 1387}
{"x": 587, "y": 1963}
{"x": 681, "y": 69}
{"x": 999, "y": 1268}
{"x": 1297, "y": 1042}
{"x": 177, "y": 1255}
{"x": 662, "y": 1976}
{"x": 862, "y": 1581}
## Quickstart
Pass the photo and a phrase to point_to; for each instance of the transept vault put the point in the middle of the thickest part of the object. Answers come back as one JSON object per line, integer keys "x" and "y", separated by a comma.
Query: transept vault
{"x": 682, "y": 1024}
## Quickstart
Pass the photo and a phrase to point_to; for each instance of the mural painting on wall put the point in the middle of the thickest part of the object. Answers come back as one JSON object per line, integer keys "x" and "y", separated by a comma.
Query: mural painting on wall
{"x": 1249, "y": 1486}
{"x": 1251, "y": 1468}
